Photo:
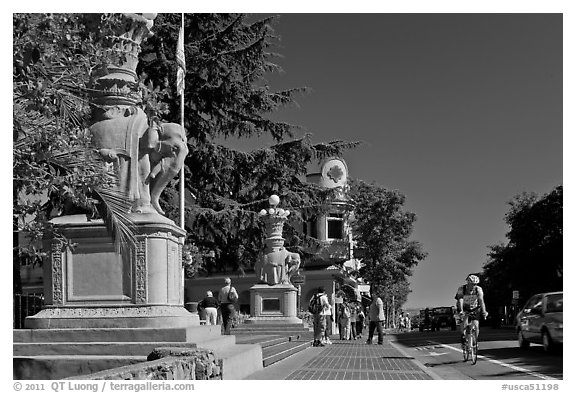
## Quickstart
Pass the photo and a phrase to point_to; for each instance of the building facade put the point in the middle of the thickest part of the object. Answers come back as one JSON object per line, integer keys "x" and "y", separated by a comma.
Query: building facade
{"x": 334, "y": 235}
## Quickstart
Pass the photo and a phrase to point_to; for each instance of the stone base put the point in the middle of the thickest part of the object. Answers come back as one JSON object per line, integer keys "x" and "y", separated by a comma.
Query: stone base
{"x": 112, "y": 317}
{"x": 91, "y": 285}
{"x": 273, "y": 304}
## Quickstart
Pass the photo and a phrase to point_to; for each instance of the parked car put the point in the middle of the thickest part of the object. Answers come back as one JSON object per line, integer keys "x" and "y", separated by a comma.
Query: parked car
{"x": 415, "y": 324}
{"x": 443, "y": 317}
{"x": 541, "y": 321}
{"x": 425, "y": 320}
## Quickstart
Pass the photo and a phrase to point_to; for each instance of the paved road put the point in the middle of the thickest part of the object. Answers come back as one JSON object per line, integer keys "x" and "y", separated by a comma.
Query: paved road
{"x": 499, "y": 356}
{"x": 418, "y": 356}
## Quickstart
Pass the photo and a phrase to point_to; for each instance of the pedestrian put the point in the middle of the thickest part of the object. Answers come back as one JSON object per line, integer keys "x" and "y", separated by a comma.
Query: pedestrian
{"x": 209, "y": 306}
{"x": 353, "y": 320}
{"x": 360, "y": 322}
{"x": 377, "y": 318}
{"x": 402, "y": 322}
{"x": 408, "y": 322}
{"x": 319, "y": 307}
{"x": 227, "y": 297}
{"x": 344, "y": 321}
{"x": 329, "y": 322}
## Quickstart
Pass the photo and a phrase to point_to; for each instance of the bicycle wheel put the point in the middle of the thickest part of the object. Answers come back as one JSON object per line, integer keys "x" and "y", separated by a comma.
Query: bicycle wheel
{"x": 465, "y": 348}
{"x": 474, "y": 347}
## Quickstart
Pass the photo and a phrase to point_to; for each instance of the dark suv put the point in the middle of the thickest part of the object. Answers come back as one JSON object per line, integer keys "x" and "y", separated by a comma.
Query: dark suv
{"x": 443, "y": 317}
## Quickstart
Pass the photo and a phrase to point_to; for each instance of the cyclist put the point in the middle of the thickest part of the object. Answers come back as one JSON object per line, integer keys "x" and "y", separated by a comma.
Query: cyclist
{"x": 470, "y": 300}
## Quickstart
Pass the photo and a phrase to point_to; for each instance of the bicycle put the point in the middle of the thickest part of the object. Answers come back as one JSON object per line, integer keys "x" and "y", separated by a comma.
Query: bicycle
{"x": 470, "y": 345}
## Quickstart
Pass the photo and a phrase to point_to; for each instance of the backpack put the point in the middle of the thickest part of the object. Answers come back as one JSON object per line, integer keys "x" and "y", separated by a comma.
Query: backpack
{"x": 315, "y": 306}
{"x": 346, "y": 312}
{"x": 232, "y": 296}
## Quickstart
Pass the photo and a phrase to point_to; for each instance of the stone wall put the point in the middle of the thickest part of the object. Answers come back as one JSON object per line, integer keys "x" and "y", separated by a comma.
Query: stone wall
{"x": 167, "y": 363}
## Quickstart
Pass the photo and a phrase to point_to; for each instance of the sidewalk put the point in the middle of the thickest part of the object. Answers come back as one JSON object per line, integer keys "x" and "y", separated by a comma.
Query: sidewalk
{"x": 348, "y": 360}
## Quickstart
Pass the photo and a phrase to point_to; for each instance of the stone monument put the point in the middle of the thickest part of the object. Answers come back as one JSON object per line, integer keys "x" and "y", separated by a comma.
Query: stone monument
{"x": 273, "y": 298}
{"x": 90, "y": 284}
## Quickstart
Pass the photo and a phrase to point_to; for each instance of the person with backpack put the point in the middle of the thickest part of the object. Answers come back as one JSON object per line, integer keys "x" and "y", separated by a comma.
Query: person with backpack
{"x": 319, "y": 307}
{"x": 227, "y": 297}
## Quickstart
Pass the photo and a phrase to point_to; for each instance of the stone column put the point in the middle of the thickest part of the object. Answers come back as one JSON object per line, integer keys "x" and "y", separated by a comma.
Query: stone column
{"x": 87, "y": 282}
{"x": 273, "y": 299}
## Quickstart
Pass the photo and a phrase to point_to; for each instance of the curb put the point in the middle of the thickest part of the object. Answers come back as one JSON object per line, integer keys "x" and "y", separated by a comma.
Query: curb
{"x": 425, "y": 369}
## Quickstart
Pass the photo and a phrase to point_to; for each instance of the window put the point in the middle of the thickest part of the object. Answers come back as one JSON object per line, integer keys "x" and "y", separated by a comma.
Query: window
{"x": 335, "y": 226}
{"x": 311, "y": 229}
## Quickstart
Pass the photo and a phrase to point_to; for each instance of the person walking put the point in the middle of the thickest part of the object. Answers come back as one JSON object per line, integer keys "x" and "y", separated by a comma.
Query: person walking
{"x": 209, "y": 306}
{"x": 227, "y": 297}
{"x": 319, "y": 307}
{"x": 376, "y": 319}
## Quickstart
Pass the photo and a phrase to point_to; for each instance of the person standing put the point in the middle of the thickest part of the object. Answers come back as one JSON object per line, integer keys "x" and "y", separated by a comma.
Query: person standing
{"x": 209, "y": 305}
{"x": 227, "y": 297}
{"x": 319, "y": 307}
{"x": 353, "y": 320}
{"x": 360, "y": 322}
{"x": 344, "y": 320}
{"x": 376, "y": 319}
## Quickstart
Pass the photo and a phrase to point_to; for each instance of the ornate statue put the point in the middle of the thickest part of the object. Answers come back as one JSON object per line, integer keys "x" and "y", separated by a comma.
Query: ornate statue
{"x": 145, "y": 156}
{"x": 275, "y": 265}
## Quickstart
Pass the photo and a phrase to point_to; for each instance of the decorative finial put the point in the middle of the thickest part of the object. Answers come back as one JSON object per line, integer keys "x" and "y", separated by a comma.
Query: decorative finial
{"x": 274, "y": 200}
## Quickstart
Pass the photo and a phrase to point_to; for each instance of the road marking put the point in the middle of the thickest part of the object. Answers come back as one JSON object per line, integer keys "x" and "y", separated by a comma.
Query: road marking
{"x": 438, "y": 354}
{"x": 500, "y": 363}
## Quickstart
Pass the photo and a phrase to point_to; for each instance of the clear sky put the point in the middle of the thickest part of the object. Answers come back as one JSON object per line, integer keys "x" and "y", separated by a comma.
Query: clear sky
{"x": 459, "y": 112}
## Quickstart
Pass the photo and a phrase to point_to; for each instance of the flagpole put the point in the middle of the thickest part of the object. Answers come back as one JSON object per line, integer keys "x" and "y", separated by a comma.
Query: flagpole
{"x": 182, "y": 170}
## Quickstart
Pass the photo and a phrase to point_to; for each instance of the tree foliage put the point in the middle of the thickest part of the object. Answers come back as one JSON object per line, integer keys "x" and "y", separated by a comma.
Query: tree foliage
{"x": 382, "y": 228}
{"x": 54, "y": 170}
{"x": 227, "y": 96}
{"x": 531, "y": 261}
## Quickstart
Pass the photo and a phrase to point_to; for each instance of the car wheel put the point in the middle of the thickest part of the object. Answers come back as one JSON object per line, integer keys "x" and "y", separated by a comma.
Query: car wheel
{"x": 522, "y": 343}
{"x": 547, "y": 342}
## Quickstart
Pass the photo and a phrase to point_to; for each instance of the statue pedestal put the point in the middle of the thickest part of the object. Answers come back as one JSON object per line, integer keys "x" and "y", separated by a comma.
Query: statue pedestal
{"x": 273, "y": 304}
{"x": 89, "y": 285}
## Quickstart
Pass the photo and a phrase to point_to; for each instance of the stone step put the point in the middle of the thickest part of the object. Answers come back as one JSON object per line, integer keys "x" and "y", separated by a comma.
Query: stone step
{"x": 189, "y": 334}
{"x": 238, "y": 361}
{"x": 271, "y": 330}
{"x": 263, "y": 340}
{"x": 281, "y": 351}
{"x": 267, "y": 326}
{"x": 111, "y": 348}
{"x": 64, "y": 366}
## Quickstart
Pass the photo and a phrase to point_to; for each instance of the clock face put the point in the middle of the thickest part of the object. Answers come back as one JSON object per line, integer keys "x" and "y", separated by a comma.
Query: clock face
{"x": 334, "y": 173}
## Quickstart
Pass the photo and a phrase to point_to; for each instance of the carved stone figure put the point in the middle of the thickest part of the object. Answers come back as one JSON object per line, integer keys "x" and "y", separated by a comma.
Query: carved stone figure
{"x": 145, "y": 154}
{"x": 276, "y": 267}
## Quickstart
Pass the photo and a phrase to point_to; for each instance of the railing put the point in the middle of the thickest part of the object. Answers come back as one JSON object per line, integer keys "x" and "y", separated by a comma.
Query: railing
{"x": 26, "y": 305}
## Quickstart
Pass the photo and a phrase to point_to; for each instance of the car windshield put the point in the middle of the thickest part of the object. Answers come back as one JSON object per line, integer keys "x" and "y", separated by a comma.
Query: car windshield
{"x": 443, "y": 310}
{"x": 555, "y": 303}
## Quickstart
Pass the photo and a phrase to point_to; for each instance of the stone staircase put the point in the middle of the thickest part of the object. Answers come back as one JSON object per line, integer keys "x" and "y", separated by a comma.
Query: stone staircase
{"x": 277, "y": 341}
{"x": 60, "y": 353}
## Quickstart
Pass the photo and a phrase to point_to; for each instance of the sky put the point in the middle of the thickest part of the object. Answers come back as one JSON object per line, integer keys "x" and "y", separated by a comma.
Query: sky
{"x": 459, "y": 112}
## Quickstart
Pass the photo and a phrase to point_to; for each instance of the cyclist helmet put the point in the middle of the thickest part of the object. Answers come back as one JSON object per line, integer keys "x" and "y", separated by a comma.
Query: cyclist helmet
{"x": 473, "y": 279}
